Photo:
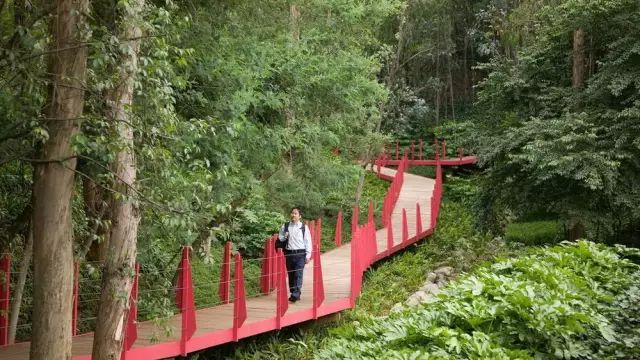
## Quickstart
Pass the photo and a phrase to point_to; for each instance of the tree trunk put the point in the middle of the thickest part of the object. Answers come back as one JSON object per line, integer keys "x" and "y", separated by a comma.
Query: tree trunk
{"x": 438, "y": 86}
{"x": 19, "y": 289}
{"x": 578, "y": 59}
{"x": 119, "y": 266}
{"x": 95, "y": 209}
{"x": 53, "y": 186}
{"x": 453, "y": 111}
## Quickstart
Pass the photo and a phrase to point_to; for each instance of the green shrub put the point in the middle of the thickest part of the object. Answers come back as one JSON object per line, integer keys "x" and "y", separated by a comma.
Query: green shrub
{"x": 571, "y": 301}
{"x": 534, "y": 232}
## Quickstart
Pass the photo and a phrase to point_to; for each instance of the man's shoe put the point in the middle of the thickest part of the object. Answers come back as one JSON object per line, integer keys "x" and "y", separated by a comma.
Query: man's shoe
{"x": 292, "y": 299}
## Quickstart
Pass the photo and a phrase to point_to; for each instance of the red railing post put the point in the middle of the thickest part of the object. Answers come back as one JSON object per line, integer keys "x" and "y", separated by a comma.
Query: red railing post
{"x": 265, "y": 274}
{"x": 273, "y": 256}
{"x": 405, "y": 226}
{"x": 338, "y": 236}
{"x": 356, "y": 266}
{"x": 374, "y": 240}
{"x": 433, "y": 210}
{"x": 187, "y": 304}
{"x": 281, "y": 292}
{"x": 389, "y": 236}
{"x": 131, "y": 331}
{"x": 239, "y": 298}
{"x": 318, "y": 284}
{"x": 418, "y": 220}
{"x": 319, "y": 224}
{"x": 420, "y": 151}
{"x": 76, "y": 281}
{"x": 354, "y": 217}
{"x": 5, "y": 295}
{"x": 225, "y": 274}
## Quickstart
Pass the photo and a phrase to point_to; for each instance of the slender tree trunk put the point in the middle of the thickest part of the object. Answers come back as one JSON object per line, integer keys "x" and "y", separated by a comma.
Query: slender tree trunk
{"x": 465, "y": 66}
{"x": 438, "y": 88}
{"x": 453, "y": 111}
{"x": 53, "y": 186}
{"x": 119, "y": 266}
{"x": 19, "y": 289}
{"x": 289, "y": 113}
{"x": 578, "y": 59}
{"x": 96, "y": 209}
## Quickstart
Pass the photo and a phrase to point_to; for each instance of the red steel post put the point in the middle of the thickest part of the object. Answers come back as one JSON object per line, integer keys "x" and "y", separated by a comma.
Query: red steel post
{"x": 354, "y": 218}
{"x": 318, "y": 284}
{"x": 225, "y": 274}
{"x": 5, "y": 295}
{"x": 265, "y": 273}
{"x": 389, "y": 236}
{"x": 76, "y": 281}
{"x": 240, "y": 300}
{"x": 405, "y": 227}
{"x": 187, "y": 302}
{"x": 418, "y": 220}
{"x": 131, "y": 331}
{"x": 420, "y": 149}
{"x": 281, "y": 292}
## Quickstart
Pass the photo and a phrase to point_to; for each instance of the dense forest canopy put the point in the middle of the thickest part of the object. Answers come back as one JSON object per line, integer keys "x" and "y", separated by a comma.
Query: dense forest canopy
{"x": 130, "y": 128}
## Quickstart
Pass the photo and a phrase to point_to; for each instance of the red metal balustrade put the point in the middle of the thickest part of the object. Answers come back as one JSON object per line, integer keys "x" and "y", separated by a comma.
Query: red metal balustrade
{"x": 363, "y": 253}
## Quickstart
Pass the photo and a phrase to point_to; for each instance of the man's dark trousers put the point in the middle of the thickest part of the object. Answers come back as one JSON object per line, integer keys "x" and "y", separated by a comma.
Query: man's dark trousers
{"x": 295, "y": 265}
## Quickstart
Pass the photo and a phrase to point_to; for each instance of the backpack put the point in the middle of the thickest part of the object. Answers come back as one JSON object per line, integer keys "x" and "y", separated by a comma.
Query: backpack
{"x": 283, "y": 244}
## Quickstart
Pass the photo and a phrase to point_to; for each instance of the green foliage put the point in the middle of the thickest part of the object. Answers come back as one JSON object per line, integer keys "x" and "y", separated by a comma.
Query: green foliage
{"x": 534, "y": 232}
{"x": 548, "y": 147}
{"x": 552, "y": 302}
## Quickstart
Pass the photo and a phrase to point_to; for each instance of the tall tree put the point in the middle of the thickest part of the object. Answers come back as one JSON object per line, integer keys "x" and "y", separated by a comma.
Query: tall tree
{"x": 578, "y": 59}
{"x": 54, "y": 184}
{"x": 117, "y": 276}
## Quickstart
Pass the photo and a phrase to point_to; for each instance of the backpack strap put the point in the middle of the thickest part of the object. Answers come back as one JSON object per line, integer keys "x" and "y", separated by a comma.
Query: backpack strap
{"x": 286, "y": 228}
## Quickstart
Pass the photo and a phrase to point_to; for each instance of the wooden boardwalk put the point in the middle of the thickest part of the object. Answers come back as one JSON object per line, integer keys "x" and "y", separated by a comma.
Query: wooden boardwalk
{"x": 214, "y": 324}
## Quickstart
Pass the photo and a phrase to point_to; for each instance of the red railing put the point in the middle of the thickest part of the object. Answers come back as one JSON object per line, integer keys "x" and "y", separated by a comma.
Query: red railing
{"x": 364, "y": 250}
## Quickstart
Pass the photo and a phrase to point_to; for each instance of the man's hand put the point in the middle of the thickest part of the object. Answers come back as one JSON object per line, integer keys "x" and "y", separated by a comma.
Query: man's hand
{"x": 306, "y": 261}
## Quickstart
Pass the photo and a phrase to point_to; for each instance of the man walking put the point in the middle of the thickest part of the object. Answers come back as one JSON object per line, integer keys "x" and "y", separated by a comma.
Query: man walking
{"x": 297, "y": 251}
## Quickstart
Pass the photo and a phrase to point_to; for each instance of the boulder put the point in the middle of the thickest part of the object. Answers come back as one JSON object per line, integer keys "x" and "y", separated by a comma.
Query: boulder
{"x": 431, "y": 277}
{"x": 444, "y": 270}
{"x": 397, "y": 308}
{"x": 431, "y": 289}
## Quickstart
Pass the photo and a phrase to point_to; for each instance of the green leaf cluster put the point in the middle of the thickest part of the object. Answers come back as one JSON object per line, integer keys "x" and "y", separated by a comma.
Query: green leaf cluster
{"x": 560, "y": 302}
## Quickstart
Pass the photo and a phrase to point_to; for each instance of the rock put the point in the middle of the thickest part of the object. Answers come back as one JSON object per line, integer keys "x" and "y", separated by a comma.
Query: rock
{"x": 444, "y": 270}
{"x": 431, "y": 289}
{"x": 412, "y": 301}
{"x": 440, "y": 277}
{"x": 397, "y": 308}
{"x": 441, "y": 283}
{"x": 431, "y": 277}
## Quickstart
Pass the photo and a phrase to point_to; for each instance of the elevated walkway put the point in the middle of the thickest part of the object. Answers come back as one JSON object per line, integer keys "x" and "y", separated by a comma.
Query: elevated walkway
{"x": 332, "y": 280}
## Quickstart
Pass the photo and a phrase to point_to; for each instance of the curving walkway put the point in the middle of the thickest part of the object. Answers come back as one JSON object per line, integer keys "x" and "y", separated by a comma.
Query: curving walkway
{"x": 340, "y": 269}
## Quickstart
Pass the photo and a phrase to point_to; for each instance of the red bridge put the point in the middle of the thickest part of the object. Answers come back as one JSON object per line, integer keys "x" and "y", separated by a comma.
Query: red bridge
{"x": 332, "y": 281}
